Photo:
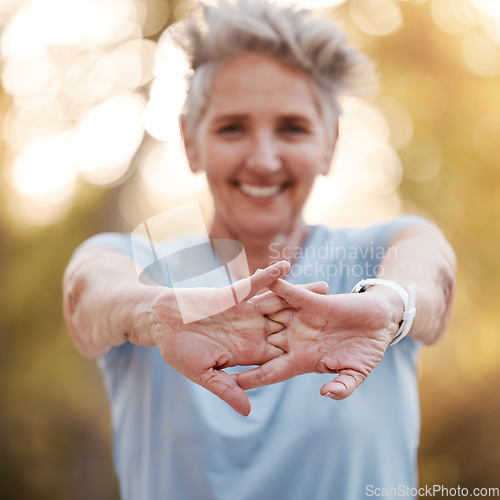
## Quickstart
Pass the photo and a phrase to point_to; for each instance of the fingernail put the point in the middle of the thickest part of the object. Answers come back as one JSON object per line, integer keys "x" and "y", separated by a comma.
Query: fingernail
{"x": 329, "y": 395}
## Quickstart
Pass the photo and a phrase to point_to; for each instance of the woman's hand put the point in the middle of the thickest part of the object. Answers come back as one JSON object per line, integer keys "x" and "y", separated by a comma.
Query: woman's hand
{"x": 345, "y": 334}
{"x": 237, "y": 336}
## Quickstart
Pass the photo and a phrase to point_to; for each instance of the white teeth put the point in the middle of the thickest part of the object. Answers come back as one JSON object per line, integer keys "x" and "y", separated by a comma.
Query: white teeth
{"x": 260, "y": 191}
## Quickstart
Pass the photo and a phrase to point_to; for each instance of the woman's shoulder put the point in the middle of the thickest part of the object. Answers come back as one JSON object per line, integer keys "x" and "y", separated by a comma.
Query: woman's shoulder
{"x": 111, "y": 239}
{"x": 118, "y": 241}
{"x": 379, "y": 233}
{"x": 141, "y": 248}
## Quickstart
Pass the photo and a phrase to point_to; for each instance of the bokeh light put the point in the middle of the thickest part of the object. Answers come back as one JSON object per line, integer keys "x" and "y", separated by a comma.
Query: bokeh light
{"x": 73, "y": 70}
{"x": 28, "y": 77}
{"x": 45, "y": 167}
{"x": 481, "y": 55}
{"x": 108, "y": 137}
{"x": 21, "y": 126}
{"x": 44, "y": 174}
{"x": 168, "y": 92}
{"x": 376, "y": 17}
{"x": 490, "y": 8}
{"x": 453, "y": 16}
{"x": 399, "y": 121}
{"x": 365, "y": 167}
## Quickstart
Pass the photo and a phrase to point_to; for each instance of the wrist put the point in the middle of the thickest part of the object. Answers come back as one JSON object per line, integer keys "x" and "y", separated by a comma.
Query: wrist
{"x": 393, "y": 302}
{"x": 406, "y": 298}
{"x": 143, "y": 303}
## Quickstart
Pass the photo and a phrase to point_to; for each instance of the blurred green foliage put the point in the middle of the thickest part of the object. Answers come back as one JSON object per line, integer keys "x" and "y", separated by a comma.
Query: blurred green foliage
{"x": 54, "y": 430}
{"x": 54, "y": 422}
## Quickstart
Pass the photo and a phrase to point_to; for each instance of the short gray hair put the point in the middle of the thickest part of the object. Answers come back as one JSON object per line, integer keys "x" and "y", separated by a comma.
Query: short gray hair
{"x": 217, "y": 32}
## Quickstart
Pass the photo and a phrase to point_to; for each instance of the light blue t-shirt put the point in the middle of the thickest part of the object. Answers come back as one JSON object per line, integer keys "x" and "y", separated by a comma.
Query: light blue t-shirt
{"x": 173, "y": 439}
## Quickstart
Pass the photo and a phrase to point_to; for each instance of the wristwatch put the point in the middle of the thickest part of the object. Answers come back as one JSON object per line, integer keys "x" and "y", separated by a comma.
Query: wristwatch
{"x": 408, "y": 298}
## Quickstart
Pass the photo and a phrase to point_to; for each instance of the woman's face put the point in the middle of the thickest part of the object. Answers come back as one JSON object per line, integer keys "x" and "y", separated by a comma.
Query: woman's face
{"x": 261, "y": 141}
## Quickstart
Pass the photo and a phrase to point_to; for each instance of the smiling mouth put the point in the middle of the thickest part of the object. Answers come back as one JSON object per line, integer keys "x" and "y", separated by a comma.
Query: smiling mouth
{"x": 261, "y": 191}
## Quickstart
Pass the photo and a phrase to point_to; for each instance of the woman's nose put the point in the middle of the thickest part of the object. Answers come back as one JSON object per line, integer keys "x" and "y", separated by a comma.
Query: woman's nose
{"x": 264, "y": 155}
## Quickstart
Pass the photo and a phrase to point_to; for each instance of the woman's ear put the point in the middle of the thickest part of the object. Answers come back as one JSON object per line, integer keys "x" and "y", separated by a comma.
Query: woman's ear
{"x": 189, "y": 146}
{"x": 329, "y": 151}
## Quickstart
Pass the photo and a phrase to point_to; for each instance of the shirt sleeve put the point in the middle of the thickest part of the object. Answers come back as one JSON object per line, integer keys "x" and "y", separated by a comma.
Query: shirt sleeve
{"x": 119, "y": 241}
{"x": 380, "y": 235}
{"x": 404, "y": 221}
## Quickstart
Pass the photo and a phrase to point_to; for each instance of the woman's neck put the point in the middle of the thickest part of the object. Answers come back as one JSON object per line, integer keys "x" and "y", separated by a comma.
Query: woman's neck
{"x": 263, "y": 250}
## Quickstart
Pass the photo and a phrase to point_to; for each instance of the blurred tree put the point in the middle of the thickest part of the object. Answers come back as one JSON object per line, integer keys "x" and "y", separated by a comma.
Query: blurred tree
{"x": 453, "y": 178}
{"x": 54, "y": 424}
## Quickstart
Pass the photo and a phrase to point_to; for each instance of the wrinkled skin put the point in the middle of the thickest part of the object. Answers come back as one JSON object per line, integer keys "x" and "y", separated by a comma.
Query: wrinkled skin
{"x": 236, "y": 336}
{"x": 345, "y": 334}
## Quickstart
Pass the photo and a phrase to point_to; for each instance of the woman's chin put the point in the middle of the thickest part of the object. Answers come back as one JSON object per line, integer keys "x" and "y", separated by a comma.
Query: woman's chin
{"x": 265, "y": 226}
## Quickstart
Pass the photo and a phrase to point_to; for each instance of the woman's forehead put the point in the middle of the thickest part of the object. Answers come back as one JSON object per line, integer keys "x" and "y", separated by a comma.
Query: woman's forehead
{"x": 258, "y": 83}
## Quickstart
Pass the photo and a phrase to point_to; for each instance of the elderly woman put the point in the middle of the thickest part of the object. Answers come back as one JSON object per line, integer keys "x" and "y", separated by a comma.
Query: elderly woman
{"x": 260, "y": 120}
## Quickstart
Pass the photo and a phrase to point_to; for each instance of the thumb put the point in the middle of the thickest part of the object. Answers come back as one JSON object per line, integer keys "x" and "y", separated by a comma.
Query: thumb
{"x": 320, "y": 287}
{"x": 342, "y": 386}
{"x": 296, "y": 296}
{"x": 247, "y": 288}
{"x": 276, "y": 370}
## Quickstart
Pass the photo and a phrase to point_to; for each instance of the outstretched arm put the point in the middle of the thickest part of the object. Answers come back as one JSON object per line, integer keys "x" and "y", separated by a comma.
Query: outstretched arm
{"x": 421, "y": 255}
{"x": 104, "y": 305}
{"x": 349, "y": 333}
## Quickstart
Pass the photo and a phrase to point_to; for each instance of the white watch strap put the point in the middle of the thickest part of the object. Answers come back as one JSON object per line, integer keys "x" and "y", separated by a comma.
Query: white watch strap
{"x": 408, "y": 298}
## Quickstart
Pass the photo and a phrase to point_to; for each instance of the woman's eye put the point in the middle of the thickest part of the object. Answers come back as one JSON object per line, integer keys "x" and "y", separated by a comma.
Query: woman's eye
{"x": 294, "y": 129}
{"x": 230, "y": 129}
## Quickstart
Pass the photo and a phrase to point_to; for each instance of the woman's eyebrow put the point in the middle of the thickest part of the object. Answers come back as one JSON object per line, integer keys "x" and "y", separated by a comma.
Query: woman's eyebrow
{"x": 229, "y": 117}
{"x": 295, "y": 117}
